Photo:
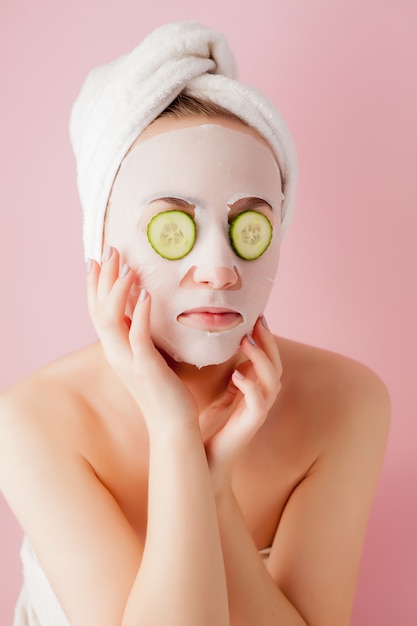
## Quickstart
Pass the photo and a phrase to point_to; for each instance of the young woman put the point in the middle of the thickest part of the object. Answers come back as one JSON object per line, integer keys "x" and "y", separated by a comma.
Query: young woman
{"x": 189, "y": 468}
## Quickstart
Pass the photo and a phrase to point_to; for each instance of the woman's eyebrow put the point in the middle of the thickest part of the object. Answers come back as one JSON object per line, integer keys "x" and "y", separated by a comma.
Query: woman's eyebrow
{"x": 179, "y": 202}
{"x": 250, "y": 203}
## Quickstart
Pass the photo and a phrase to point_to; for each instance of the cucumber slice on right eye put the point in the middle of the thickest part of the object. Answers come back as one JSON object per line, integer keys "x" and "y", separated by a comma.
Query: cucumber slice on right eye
{"x": 172, "y": 234}
{"x": 250, "y": 234}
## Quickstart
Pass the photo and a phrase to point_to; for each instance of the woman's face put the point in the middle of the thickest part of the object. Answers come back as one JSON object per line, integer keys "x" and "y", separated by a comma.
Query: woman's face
{"x": 204, "y": 303}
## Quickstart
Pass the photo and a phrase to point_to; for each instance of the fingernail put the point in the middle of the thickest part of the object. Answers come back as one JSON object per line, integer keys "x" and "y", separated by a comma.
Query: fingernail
{"x": 107, "y": 253}
{"x": 264, "y": 322}
{"x": 89, "y": 265}
{"x": 143, "y": 295}
{"x": 238, "y": 374}
{"x": 251, "y": 340}
{"x": 124, "y": 270}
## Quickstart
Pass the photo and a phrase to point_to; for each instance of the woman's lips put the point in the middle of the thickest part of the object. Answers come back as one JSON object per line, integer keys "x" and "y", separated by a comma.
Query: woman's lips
{"x": 210, "y": 319}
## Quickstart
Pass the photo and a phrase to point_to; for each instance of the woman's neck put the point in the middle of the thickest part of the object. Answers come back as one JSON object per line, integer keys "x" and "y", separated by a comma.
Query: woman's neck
{"x": 207, "y": 383}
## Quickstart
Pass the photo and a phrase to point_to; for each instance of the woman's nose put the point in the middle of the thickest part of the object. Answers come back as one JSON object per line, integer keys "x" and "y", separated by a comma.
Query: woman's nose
{"x": 215, "y": 277}
{"x": 213, "y": 264}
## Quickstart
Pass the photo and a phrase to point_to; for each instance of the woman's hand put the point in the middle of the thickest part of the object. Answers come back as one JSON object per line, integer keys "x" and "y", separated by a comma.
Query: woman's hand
{"x": 245, "y": 403}
{"x": 127, "y": 344}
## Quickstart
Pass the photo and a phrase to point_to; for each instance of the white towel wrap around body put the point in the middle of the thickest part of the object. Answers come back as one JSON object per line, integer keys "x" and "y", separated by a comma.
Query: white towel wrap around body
{"x": 37, "y": 604}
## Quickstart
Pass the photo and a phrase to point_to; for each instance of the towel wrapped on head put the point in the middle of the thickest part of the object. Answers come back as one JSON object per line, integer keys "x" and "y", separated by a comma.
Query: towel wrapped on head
{"x": 119, "y": 100}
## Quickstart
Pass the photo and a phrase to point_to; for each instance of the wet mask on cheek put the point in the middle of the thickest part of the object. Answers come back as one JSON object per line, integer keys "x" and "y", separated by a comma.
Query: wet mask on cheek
{"x": 205, "y": 302}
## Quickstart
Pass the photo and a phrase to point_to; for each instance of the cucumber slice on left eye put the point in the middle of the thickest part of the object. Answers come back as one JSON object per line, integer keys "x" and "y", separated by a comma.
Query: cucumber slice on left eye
{"x": 250, "y": 234}
{"x": 172, "y": 234}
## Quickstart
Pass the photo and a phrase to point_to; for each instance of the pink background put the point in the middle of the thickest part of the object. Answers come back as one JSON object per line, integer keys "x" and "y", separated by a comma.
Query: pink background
{"x": 343, "y": 72}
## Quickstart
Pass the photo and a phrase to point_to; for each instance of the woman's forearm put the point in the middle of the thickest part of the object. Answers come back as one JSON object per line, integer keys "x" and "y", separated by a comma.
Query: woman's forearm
{"x": 254, "y": 597}
{"x": 181, "y": 580}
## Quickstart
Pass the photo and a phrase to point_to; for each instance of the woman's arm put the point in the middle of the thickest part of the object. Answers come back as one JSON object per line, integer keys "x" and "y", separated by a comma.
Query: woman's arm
{"x": 254, "y": 596}
{"x": 86, "y": 546}
{"x": 311, "y": 573}
{"x": 181, "y": 581}
{"x": 84, "y": 543}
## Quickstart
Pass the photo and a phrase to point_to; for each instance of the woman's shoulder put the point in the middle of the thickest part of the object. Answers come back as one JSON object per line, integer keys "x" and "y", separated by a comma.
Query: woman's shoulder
{"x": 331, "y": 410}
{"x": 326, "y": 383}
{"x": 50, "y": 395}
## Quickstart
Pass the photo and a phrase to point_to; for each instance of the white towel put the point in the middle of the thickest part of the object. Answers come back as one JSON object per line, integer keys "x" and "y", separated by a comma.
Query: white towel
{"x": 119, "y": 100}
{"x": 37, "y": 604}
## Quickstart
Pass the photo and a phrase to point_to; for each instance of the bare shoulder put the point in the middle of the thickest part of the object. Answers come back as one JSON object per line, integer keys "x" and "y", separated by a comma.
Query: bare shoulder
{"x": 333, "y": 390}
{"x": 45, "y": 410}
{"x": 48, "y": 389}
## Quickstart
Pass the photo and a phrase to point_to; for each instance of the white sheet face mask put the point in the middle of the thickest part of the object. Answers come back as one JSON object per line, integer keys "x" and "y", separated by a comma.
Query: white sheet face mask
{"x": 204, "y": 303}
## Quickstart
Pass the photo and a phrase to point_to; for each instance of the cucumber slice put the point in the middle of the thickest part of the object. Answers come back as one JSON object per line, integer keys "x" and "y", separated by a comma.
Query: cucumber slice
{"x": 250, "y": 234}
{"x": 172, "y": 234}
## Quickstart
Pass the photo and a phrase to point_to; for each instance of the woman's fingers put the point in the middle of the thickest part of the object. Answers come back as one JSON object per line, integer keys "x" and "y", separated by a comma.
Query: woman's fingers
{"x": 140, "y": 331}
{"x": 108, "y": 288}
{"x": 255, "y": 402}
{"x": 265, "y": 339}
{"x": 247, "y": 416}
{"x": 257, "y": 383}
{"x": 266, "y": 367}
{"x": 93, "y": 269}
{"x": 108, "y": 273}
